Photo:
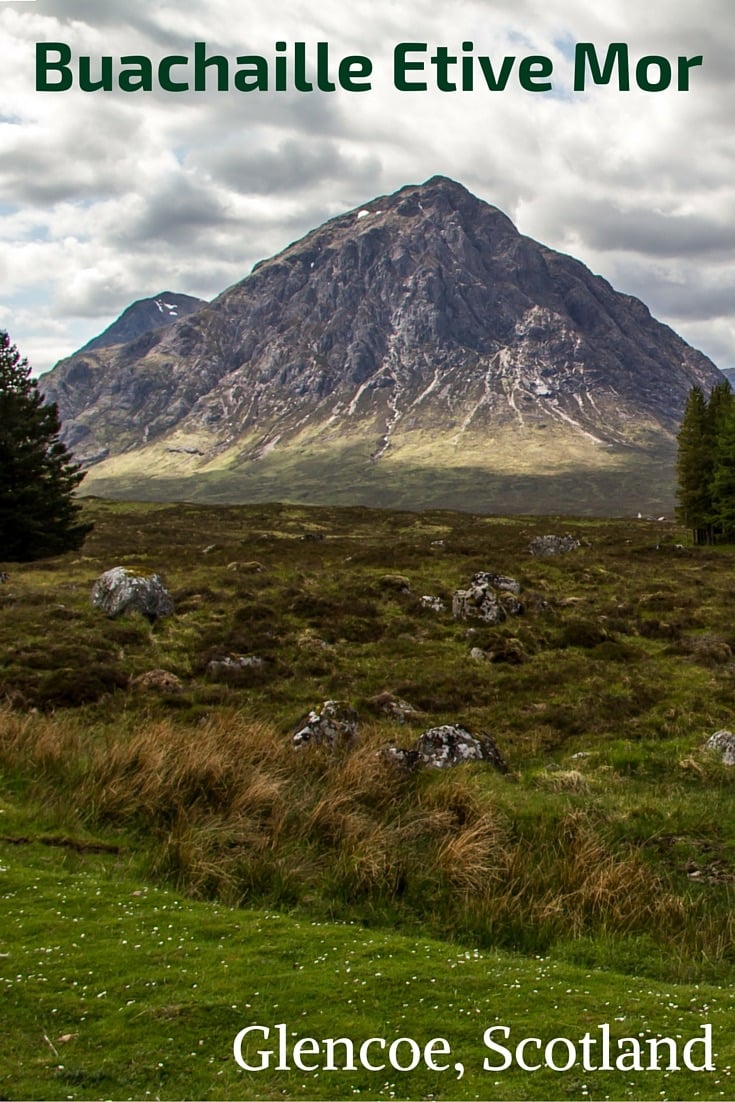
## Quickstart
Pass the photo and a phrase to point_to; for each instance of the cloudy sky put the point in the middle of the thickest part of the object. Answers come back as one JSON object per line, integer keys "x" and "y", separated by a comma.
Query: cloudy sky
{"x": 106, "y": 197}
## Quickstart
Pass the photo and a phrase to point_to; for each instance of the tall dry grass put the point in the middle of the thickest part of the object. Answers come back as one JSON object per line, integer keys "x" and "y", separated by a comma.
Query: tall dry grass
{"x": 228, "y": 809}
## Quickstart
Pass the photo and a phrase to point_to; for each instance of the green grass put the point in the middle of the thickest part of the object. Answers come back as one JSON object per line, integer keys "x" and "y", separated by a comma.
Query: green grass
{"x": 116, "y": 988}
{"x": 500, "y": 478}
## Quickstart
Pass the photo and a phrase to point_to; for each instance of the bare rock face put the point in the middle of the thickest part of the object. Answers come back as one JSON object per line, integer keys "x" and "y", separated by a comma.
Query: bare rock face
{"x": 119, "y": 592}
{"x": 334, "y": 725}
{"x": 490, "y": 598}
{"x": 722, "y": 743}
{"x": 546, "y": 546}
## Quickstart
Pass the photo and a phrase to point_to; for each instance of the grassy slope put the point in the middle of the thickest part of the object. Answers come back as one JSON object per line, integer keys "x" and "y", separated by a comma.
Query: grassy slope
{"x": 510, "y": 477}
{"x": 115, "y": 988}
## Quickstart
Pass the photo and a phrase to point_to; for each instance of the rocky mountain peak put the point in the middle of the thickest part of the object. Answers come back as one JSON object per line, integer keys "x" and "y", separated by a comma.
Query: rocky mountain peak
{"x": 412, "y": 337}
{"x": 147, "y": 314}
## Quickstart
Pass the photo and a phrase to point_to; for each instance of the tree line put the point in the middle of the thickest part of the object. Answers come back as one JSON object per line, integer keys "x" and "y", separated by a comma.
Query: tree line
{"x": 39, "y": 515}
{"x": 705, "y": 465}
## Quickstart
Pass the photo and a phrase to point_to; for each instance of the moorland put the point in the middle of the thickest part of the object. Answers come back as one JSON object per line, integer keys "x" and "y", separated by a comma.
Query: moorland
{"x": 602, "y": 863}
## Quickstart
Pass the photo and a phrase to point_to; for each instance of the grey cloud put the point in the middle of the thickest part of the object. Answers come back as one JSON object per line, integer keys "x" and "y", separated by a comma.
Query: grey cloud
{"x": 700, "y": 296}
{"x": 294, "y": 165}
{"x": 78, "y": 160}
{"x": 604, "y": 226}
{"x": 133, "y": 18}
{"x": 177, "y": 213}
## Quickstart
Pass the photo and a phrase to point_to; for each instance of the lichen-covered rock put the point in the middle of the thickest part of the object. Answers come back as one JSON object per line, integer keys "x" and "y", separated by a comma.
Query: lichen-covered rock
{"x": 389, "y": 705}
{"x": 160, "y": 681}
{"x": 120, "y": 591}
{"x": 409, "y": 761}
{"x": 553, "y": 545}
{"x": 334, "y": 725}
{"x": 722, "y": 743}
{"x": 502, "y": 582}
{"x": 233, "y": 664}
{"x": 490, "y": 597}
{"x": 449, "y": 745}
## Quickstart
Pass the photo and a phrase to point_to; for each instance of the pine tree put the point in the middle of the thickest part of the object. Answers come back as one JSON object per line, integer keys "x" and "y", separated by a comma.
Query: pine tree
{"x": 38, "y": 477}
{"x": 723, "y": 481}
{"x": 695, "y": 468}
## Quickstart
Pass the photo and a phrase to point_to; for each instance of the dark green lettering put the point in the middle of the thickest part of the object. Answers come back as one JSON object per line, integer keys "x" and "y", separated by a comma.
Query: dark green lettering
{"x": 401, "y": 65}
{"x": 533, "y": 71}
{"x": 202, "y": 62}
{"x": 353, "y": 69}
{"x": 664, "y": 73}
{"x": 585, "y": 55}
{"x": 685, "y": 64}
{"x": 441, "y": 60}
{"x": 499, "y": 83}
{"x": 104, "y": 84}
{"x": 164, "y": 73}
{"x": 60, "y": 66}
{"x": 139, "y": 78}
{"x": 253, "y": 77}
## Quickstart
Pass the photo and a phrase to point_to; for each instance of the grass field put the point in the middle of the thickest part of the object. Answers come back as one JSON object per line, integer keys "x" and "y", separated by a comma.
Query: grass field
{"x": 593, "y": 883}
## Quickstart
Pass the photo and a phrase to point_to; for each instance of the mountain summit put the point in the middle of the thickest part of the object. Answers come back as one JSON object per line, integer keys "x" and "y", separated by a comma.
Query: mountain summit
{"x": 144, "y": 316}
{"x": 415, "y": 351}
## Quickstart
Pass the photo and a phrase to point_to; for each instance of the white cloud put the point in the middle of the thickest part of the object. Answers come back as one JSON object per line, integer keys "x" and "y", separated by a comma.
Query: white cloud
{"x": 108, "y": 197}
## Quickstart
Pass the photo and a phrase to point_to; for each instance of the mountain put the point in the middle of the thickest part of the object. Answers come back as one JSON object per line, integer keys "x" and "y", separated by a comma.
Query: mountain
{"x": 144, "y": 316}
{"x": 417, "y": 351}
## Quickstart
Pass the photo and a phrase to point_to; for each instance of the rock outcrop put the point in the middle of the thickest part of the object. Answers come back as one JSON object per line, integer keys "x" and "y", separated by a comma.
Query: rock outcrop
{"x": 333, "y": 725}
{"x": 546, "y": 546}
{"x": 722, "y": 743}
{"x": 489, "y": 597}
{"x": 120, "y": 591}
{"x": 445, "y": 747}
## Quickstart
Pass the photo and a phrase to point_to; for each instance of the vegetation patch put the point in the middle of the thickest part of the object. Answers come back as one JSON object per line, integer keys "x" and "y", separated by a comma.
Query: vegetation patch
{"x": 613, "y": 831}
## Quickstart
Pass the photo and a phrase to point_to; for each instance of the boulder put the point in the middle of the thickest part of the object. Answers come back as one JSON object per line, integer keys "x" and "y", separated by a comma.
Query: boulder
{"x": 722, "y": 743}
{"x": 120, "y": 591}
{"x": 449, "y": 745}
{"x": 334, "y": 725}
{"x": 159, "y": 681}
{"x": 408, "y": 761}
{"x": 545, "y": 546}
{"x": 490, "y": 597}
{"x": 444, "y": 747}
{"x": 233, "y": 664}
{"x": 390, "y": 705}
{"x": 502, "y": 582}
